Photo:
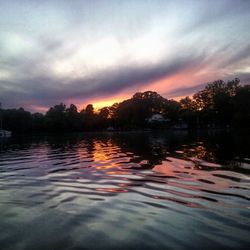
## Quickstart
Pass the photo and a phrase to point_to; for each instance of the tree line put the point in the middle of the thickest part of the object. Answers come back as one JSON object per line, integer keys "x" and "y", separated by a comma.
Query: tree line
{"x": 219, "y": 105}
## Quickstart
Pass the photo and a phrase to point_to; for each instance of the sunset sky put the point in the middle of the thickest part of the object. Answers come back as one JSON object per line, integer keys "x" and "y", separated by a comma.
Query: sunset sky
{"x": 102, "y": 52}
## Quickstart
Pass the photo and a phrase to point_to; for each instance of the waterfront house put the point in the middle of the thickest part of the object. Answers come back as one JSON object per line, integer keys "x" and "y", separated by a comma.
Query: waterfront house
{"x": 4, "y": 133}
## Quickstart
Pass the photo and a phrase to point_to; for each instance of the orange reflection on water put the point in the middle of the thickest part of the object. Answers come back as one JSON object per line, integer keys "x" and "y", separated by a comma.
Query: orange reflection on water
{"x": 105, "y": 155}
{"x": 164, "y": 169}
{"x": 98, "y": 154}
{"x": 118, "y": 173}
{"x": 104, "y": 167}
{"x": 202, "y": 153}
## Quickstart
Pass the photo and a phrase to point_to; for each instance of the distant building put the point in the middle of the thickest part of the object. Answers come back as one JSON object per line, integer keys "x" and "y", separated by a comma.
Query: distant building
{"x": 4, "y": 133}
{"x": 110, "y": 128}
{"x": 157, "y": 118}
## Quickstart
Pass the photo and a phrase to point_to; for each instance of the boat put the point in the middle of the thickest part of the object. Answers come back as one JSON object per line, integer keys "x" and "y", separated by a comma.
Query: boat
{"x": 5, "y": 133}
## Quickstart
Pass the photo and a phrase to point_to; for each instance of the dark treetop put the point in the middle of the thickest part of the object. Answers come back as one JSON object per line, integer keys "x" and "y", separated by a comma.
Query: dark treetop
{"x": 219, "y": 105}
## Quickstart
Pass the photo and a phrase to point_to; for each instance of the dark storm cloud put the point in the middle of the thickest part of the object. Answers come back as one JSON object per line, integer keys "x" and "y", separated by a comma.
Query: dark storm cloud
{"x": 49, "y": 90}
{"x": 184, "y": 91}
{"x": 238, "y": 56}
{"x": 244, "y": 78}
{"x": 215, "y": 12}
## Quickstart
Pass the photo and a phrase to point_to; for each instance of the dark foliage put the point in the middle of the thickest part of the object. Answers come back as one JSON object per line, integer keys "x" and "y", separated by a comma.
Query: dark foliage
{"x": 219, "y": 105}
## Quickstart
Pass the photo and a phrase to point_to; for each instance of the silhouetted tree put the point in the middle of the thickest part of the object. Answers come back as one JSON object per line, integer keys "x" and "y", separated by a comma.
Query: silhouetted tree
{"x": 74, "y": 122}
{"x": 241, "y": 116}
{"x": 104, "y": 118}
{"x": 56, "y": 119}
{"x": 89, "y": 118}
{"x": 215, "y": 102}
{"x": 17, "y": 120}
{"x": 172, "y": 110}
{"x": 189, "y": 112}
{"x": 89, "y": 110}
{"x": 219, "y": 104}
{"x": 134, "y": 112}
{"x": 38, "y": 122}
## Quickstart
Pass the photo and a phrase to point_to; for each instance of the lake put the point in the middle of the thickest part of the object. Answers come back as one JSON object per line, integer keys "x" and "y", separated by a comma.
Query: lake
{"x": 129, "y": 190}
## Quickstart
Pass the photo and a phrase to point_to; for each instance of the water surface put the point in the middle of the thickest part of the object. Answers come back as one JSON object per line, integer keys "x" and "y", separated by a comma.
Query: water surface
{"x": 125, "y": 191}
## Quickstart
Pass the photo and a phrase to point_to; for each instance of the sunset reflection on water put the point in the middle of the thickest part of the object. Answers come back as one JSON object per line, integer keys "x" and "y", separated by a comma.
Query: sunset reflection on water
{"x": 176, "y": 184}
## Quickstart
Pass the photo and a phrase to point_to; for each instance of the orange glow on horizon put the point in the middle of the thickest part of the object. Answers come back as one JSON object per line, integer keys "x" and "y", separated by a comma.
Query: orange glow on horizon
{"x": 190, "y": 77}
{"x": 102, "y": 102}
{"x": 105, "y": 103}
{"x": 166, "y": 84}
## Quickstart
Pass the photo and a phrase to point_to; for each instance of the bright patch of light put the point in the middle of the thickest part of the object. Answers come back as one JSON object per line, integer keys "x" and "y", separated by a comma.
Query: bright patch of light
{"x": 15, "y": 44}
{"x": 4, "y": 74}
{"x": 244, "y": 70}
{"x": 87, "y": 58}
{"x": 101, "y": 104}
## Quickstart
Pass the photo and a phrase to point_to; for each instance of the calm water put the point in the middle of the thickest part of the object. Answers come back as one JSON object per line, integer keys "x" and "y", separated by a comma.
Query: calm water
{"x": 125, "y": 191}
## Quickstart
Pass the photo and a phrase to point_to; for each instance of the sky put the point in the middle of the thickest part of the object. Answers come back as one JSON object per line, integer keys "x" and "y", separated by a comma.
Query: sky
{"x": 102, "y": 52}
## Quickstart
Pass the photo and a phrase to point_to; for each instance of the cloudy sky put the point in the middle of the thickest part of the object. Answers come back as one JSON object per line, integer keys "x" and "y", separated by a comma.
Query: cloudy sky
{"x": 101, "y": 52}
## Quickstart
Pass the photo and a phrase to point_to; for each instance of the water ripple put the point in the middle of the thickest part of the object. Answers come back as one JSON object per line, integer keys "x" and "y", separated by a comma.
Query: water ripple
{"x": 110, "y": 181}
